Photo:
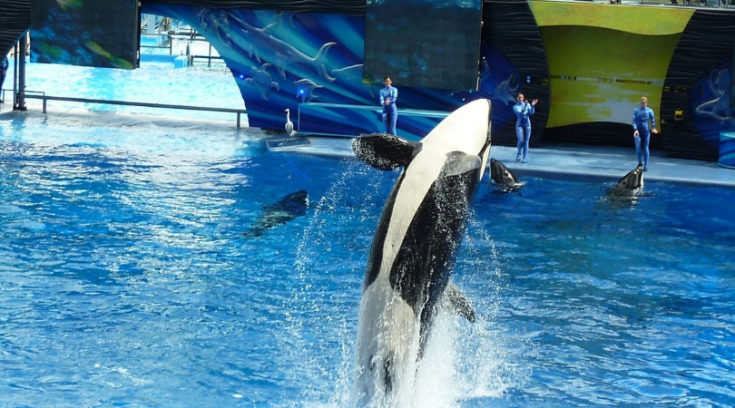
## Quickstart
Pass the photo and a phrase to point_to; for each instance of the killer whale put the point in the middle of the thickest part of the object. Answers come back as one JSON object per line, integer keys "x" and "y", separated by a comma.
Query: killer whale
{"x": 414, "y": 246}
{"x": 503, "y": 177}
{"x": 631, "y": 182}
{"x": 286, "y": 209}
{"x": 627, "y": 191}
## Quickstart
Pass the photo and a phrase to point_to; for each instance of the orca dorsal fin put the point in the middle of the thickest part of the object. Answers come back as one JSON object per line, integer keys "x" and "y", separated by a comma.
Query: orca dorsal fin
{"x": 459, "y": 302}
{"x": 460, "y": 163}
{"x": 386, "y": 152}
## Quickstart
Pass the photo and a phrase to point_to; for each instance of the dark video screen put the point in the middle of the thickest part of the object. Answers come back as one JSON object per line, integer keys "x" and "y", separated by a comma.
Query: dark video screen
{"x": 98, "y": 33}
{"x": 423, "y": 43}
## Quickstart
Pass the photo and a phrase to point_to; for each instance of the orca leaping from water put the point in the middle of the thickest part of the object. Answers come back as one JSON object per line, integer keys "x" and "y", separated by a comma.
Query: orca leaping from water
{"x": 414, "y": 246}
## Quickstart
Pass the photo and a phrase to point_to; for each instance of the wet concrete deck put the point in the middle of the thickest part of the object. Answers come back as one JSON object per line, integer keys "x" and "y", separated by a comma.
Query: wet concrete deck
{"x": 607, "y": 163}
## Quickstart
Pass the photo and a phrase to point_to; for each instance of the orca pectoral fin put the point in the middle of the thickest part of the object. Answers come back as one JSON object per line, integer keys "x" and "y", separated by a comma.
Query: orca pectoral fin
{"x": 460, "y": 163}
{"x": 460, "y": 304}
{"x": 386, "y": 152}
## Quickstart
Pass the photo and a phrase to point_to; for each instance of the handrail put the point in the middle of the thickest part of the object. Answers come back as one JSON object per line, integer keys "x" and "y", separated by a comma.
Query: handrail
{"x": 209, "y": 57}
{"x": 129, "y": 103}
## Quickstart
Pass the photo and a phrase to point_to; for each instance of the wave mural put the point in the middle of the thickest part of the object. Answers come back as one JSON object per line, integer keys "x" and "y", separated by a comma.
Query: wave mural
{"x": 312, "y": 64}
{"x": 712, "y": 112}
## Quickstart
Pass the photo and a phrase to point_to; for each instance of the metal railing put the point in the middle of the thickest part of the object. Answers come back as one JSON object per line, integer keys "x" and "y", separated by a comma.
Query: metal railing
{"x": 46, "y": 98}
{"x": 209, "y": 59}
{"x": 168, "y": 47}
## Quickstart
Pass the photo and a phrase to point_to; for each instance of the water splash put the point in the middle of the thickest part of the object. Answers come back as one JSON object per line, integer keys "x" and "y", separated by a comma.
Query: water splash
{"x": 489, "y": 359}
{"x": 331, "y": 254}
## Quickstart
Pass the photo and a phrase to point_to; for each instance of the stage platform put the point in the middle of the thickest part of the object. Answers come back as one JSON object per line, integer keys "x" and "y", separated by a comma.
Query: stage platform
{"x": 576, "y": 162}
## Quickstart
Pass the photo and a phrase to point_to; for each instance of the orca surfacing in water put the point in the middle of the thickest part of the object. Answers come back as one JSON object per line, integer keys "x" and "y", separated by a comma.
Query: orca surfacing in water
{"x": 503, "y": 177}
{"x": 632, "y": 181}
{"x": 631, "y": 184}
{"x": 627, "y": 191}
{"x": 414, "y": 246}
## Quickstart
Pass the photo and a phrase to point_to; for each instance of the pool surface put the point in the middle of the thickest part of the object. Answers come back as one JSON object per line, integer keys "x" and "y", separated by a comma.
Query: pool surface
{"x": 127, "y": 279}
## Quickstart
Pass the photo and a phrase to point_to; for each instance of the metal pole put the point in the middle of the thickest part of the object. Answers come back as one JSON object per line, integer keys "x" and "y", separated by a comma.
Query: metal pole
{"x": 20, "y": 58}
{"x": 15, "y": 73}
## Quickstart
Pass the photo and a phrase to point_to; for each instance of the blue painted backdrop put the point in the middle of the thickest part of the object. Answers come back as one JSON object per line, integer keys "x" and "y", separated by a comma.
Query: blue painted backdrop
{"x": 710, "y": 105}
{"x": 283, "y": 60}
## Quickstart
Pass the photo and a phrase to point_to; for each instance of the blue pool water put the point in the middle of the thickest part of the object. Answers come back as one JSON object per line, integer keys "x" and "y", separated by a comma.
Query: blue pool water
{"x": 154, "y": 82}
{"x": 127, "y": 280}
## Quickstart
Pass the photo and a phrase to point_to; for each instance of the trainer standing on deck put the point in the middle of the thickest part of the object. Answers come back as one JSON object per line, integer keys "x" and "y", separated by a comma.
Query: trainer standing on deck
{"x": 523, "y": 110}
{"x": 641, "y": 133}
{"x": 388, "y": 97}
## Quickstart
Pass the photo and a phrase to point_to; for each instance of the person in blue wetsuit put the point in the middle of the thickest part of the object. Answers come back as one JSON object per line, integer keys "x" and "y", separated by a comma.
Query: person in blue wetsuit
{"x": 523, "y": 110}
{"x": 388, "y": 97}
{"x": 641, "y": 133}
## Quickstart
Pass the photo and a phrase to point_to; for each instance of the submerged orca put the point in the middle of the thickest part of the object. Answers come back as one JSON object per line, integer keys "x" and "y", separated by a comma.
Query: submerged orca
{"x": 286, "y": 209}
{"x": 415, "y": 244}
{"x": 502, "y": 176}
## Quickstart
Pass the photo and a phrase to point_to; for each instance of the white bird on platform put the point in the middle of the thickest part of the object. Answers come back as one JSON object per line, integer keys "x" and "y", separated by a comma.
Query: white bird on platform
{"x": 289, "y": 124}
